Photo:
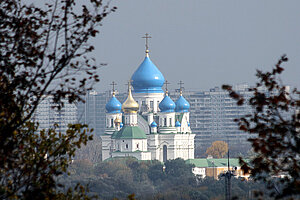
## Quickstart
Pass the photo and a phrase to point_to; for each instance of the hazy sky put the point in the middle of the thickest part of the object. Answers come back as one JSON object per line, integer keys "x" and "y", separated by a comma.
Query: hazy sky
{"x": 204, "y": 43}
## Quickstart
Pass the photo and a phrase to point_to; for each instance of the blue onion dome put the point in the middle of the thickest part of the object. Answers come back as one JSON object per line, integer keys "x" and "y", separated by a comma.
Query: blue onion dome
{"x": 113, "y": 105}
{"x": 167, "y": 104}
{"x": 177, "y": 124}
{"x": 121, "y": 125}
{"x": 182, "y": 105}
{"x": 147, "y": 78}
{"x": 153, "y": 124}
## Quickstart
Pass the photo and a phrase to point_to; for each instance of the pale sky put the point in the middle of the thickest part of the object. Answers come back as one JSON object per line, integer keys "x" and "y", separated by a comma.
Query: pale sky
{"x": 204, "y": 43}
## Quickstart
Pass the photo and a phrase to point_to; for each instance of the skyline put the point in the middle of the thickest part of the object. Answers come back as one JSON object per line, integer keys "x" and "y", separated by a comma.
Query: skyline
{"x": 203, "y": 43}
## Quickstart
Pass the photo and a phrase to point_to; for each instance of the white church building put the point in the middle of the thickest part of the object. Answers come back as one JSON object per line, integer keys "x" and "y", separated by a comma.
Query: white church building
{"x": 148, "y": 125}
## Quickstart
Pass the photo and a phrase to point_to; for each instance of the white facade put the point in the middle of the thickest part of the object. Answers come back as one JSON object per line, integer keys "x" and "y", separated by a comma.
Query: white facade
{"x": 199, "y": 171}
{"x": 148, "y": 102}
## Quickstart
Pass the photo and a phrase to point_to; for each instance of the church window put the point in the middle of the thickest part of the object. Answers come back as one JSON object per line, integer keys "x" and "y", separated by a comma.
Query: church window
{"x": 126, "y": 146}
{"x": 137, "y": 145}
{"x": 170, "y": 122}
{"x": 151, "y": 104}
{"x": 165, "y": 151}
{"x": 165, "y": 122}
{"x": 112, "y": 123}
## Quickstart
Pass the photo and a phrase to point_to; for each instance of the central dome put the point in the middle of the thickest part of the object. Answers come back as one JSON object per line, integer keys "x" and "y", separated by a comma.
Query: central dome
{"x": 147, "y": 78}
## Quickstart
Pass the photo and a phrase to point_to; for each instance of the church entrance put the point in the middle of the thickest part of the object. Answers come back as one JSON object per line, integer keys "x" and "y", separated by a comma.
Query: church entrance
{"x": 165, "y": 151}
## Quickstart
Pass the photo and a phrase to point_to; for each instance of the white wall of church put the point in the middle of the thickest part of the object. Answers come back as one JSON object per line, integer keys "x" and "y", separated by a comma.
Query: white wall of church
{"x": 178, "y": 146}
{"x": 110, "y": 118}
{"x": 148, "y": 102}
{"x": 131, "y": 145}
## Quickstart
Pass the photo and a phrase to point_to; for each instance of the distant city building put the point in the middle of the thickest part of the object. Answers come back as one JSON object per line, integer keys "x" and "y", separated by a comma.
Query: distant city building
{"x": 212, "y": 118}
{"x": 46, "y": 115}
{"x": 92, "y": 112}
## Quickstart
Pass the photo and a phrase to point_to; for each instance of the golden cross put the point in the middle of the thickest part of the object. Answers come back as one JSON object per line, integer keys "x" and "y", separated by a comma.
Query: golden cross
{"x": 113, "y": 85}
{"x": 180, "y": 85}
{"x": 147, "y": 36}
{"x": 129, "y": 84}
{"x": 166, "y": 83}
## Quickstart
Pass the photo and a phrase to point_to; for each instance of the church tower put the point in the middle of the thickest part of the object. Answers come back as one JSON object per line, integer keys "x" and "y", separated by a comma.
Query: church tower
{"x": 147, "y": 82}
{"x": 130, "y": 140}
{"x": 152, "y": 126}
{"x": 113, "y": 122}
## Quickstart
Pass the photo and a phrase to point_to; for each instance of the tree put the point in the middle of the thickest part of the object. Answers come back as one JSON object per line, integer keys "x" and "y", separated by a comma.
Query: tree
{"x": 42, "y": 51}
{"x": 218, "y": 149}
{"x": 274, "y": 127}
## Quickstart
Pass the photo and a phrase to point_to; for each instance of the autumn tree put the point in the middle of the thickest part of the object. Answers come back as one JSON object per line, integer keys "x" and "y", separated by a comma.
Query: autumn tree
{"x": 274, "y": 126}
{"x": 42, "y": 50}
{"x": 218, "y": 149}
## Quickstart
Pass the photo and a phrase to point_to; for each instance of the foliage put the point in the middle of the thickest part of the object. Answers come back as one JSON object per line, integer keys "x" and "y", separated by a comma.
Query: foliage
{"x": 274, "y": 128}
{"x": 42, "y": 49}
{"x": 141, "y": 178}
{"x": 218, "y": 149}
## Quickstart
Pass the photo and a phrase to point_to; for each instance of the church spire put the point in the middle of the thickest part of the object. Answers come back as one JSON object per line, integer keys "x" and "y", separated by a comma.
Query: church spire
{"x": 180, "y": 85}
{"x": 130, "y": 105}
{"x": 147, "y": 36}
{"x": 113, "y": 88}
{"x": 166, "y": 84}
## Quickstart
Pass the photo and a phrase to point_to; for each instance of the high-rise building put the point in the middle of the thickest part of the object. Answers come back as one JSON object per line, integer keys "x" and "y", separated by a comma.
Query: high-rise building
{"x": 92, "y": 112}
{"x": 212, "y": 118}
{"x": 47, "y": 115}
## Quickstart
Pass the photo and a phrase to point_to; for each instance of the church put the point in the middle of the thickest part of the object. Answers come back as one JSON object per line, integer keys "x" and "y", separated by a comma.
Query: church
{"x": 149, "y": 125}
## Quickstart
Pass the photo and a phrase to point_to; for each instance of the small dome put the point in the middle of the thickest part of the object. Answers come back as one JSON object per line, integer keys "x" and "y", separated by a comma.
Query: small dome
{"x": 113, "y": 105}
{"x": 121, "y": 125}
{"x": 130, "y": 105}
{"x": 182, "y": 105}
{"x": 177, "y": 124}
{"x": 167, "y": 104}
{"x": 118, "y": 120}
{"x": 153, "y": 124}
{"x": 147, "y": 78}
{"x": 189, "y": 124}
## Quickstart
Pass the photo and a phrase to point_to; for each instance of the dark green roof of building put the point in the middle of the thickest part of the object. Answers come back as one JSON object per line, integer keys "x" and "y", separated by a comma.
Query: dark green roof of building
{"x": 130, "y": 132}
{"x": 214, "y": 162}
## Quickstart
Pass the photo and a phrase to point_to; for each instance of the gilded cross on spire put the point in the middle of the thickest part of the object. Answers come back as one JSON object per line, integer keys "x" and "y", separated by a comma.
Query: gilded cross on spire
{"x": 166, "y": 84}
{"x": 129, "y": 84}
{"x": 113, "y": 87}
{"x": 147, "y": 36}
{"x": 180, "y": 85}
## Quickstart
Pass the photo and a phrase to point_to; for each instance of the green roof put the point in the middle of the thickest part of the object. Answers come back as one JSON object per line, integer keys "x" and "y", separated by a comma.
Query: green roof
{"x": 214, "y": 162}
{"x": 130, "y": 132}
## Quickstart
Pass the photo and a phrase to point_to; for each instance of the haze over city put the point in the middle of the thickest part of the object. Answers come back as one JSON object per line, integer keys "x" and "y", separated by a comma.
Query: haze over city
{"x": 203, "y": 43}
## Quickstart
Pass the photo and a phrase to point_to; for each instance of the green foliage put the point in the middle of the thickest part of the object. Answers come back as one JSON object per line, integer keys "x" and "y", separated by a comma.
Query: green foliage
{"x": 274, "y": 126}
{"x": 218, "y": 149}
{"x": 42, "y": 50}
{"x": 147, "y": 180}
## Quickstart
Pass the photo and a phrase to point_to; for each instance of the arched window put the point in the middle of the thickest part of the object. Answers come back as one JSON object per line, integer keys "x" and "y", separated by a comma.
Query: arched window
{"x": 165, "y": 152}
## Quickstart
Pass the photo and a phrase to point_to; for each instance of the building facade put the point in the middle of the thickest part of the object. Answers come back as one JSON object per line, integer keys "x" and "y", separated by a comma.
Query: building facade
{"x": 47, "y": 115}
{"x": 212, "y": 118}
